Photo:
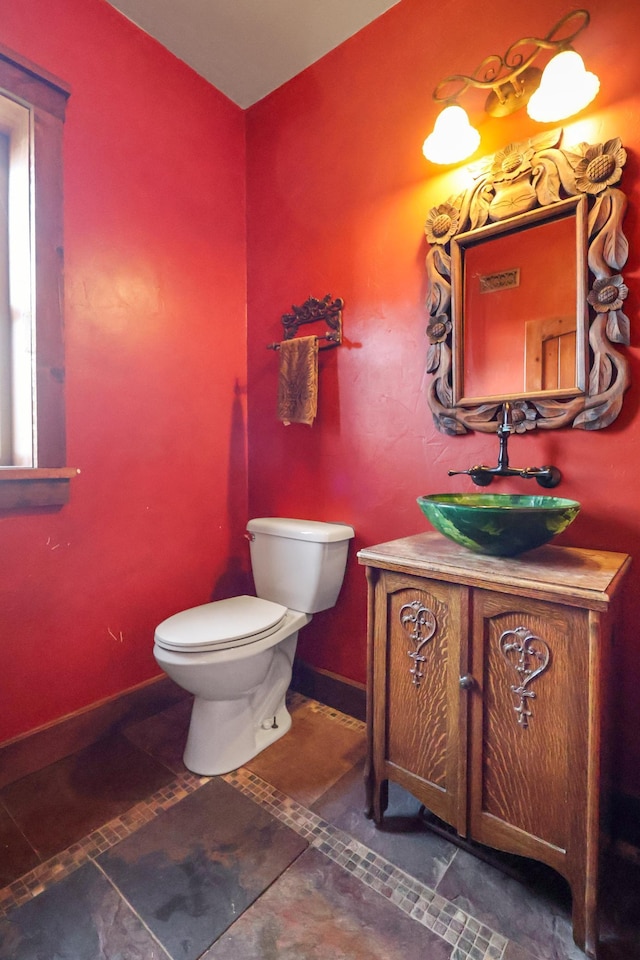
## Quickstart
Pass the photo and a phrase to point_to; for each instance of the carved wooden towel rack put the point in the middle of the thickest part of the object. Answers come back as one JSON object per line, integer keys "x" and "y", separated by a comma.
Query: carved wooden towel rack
{"x": 312, "y": 311}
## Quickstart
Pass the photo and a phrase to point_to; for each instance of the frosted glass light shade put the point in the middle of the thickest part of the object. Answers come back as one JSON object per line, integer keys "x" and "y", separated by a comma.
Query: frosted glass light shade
{"x": 453, "y": 138}
{"x": 566, "y": 87}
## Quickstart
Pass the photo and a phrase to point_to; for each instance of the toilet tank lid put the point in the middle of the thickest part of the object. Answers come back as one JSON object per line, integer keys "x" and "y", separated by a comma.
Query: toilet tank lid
{"x": 316, "y": 530}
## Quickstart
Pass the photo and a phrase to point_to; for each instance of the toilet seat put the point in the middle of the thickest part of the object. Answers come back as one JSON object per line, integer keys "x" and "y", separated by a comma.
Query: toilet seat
{"x": 221, "y": 625}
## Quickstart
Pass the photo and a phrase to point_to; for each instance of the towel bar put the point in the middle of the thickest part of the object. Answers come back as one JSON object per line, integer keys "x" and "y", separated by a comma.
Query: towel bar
{"x": 312, "y": 311}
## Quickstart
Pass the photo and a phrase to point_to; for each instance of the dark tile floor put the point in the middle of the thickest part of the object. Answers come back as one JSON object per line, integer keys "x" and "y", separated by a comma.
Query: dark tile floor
{"x": 119, "y": 853}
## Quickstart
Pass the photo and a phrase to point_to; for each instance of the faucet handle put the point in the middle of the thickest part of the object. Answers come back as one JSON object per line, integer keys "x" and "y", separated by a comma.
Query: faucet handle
{"x": 549, "y": 477}
{"x": 482, "y": 476}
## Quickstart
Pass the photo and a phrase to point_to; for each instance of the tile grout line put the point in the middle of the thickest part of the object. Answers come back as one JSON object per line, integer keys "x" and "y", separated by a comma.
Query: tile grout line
{"x": 470, "y": 939}
{"x": 66, "y": 862}
{"x": 140, "y": 920}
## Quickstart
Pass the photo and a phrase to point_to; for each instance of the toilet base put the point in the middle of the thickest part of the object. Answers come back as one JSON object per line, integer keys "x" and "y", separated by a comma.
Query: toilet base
{"x": 208, "y": 755}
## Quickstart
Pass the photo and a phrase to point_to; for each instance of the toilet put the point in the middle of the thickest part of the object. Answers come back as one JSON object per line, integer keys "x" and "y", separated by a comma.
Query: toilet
{"x": 236, "y": 655}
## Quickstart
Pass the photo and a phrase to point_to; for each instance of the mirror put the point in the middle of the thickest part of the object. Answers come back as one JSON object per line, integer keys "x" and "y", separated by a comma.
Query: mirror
{"x": 519, "y": 321}
{"x": 525, "y": 292}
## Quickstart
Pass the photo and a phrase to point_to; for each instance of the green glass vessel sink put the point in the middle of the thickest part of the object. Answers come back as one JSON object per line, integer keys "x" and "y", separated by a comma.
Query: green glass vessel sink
{"x": 501, "y": 525}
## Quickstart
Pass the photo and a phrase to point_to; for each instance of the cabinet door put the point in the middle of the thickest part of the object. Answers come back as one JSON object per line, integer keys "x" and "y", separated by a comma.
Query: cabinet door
{"x": 419, "y": 726}
{"x": 530, "y": 728}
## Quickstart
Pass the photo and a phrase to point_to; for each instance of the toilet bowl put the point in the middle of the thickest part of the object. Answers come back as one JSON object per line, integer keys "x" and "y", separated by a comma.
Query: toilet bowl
{"x": 236, "y": 655}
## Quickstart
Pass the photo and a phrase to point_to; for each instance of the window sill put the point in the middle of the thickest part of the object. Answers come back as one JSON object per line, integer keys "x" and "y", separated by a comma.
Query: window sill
{"x": 35, "y": 486}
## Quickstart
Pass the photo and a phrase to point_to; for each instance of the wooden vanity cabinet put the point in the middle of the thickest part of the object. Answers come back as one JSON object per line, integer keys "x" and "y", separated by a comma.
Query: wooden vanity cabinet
{"x": 487, "y": 685}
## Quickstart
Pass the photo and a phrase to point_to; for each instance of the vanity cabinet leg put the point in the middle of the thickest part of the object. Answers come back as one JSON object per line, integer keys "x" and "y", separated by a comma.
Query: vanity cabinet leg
{"x": 377, "y": 795}
{"x": 369, "y": 788}
{"x": 380, "y": 801}
{"x": 585, "y": 917}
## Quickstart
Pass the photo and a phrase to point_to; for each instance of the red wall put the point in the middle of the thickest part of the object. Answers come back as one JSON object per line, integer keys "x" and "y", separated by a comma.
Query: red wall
{"x": 157, "y": 345}
{"x": 156, "y": 367}
{"x": 338, "y": 193}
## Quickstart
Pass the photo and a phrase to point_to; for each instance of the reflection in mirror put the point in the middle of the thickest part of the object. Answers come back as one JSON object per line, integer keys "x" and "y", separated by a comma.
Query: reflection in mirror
{"x": 510, "y": 263}
{"x": 519, "y": 325}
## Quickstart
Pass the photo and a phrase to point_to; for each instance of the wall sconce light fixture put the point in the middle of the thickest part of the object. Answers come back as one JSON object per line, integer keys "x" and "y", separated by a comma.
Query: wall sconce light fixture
{"x": 564, "y": 88}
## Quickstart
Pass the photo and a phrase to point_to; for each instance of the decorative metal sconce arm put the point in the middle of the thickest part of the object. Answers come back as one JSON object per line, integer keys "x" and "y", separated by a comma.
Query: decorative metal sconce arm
{"x": 498, "y": 74}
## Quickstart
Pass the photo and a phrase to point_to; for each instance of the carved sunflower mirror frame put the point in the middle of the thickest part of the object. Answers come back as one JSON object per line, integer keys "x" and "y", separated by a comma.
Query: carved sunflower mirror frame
{"x": 521, "y": 186}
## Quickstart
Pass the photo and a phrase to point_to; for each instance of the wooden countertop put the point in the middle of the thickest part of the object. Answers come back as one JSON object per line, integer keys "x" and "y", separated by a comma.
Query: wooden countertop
{"x": 572, "y": 575}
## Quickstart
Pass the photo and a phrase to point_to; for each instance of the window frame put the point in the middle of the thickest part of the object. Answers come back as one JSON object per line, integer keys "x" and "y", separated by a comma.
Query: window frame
{"x": 46, "y": 483}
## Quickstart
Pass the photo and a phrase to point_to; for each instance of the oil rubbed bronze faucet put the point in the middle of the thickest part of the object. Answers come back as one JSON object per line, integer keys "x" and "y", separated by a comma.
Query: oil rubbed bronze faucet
{"x": 482, "y": 476}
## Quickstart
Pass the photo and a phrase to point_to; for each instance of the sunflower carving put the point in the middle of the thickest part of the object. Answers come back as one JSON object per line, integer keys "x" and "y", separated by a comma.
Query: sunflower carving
{"x": 442, "y": 223}
{"x": 532, "y": 176}
{"x": 512, "y": 162}
{"x": 600, "y": 166}
{"x": 608, "y": 294}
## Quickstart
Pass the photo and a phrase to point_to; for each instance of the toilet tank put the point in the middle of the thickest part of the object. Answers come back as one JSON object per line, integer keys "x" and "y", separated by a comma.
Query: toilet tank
{"x": 298, "y": 563}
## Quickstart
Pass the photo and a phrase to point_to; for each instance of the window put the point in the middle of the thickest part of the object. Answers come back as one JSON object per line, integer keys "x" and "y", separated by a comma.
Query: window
{"x": 33, "y": 469}
{"x": 16, "y": 403}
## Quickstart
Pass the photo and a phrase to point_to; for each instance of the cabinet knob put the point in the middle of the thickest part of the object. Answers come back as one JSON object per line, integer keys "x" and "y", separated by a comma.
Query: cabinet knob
{"x": 466, "y": 682}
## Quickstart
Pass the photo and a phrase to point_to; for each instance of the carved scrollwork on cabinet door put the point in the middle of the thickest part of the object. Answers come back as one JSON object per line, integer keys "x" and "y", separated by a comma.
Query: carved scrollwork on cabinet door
{"x": 420, "y": 624}
{"x": 529, "y": 656}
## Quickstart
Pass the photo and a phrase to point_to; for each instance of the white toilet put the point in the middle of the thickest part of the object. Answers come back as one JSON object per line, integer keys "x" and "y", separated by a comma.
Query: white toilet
{"x": 236, "y": 655}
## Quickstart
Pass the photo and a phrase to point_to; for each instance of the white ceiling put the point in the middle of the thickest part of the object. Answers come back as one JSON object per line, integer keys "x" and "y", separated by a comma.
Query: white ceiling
{"x": 247, "y": 48}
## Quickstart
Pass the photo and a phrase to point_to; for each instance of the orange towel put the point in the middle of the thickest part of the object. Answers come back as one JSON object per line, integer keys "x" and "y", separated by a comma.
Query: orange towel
{"x": 298, "y": 380}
